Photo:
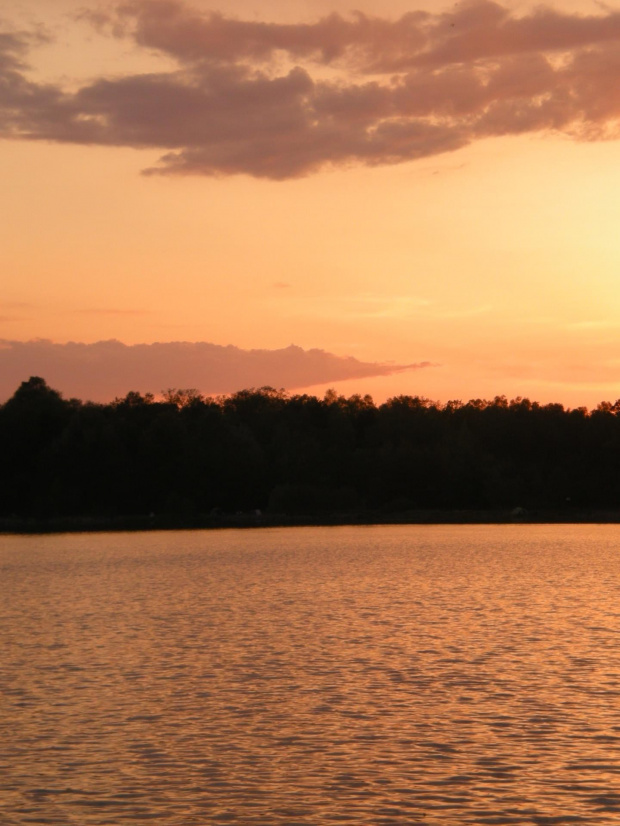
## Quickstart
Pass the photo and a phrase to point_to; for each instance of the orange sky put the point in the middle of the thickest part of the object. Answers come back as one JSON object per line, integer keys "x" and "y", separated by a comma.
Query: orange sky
{"x": 442, "y": 189}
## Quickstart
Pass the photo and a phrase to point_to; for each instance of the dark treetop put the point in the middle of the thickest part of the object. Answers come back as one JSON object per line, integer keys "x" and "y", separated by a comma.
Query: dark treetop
{"x": 265, "y": 450}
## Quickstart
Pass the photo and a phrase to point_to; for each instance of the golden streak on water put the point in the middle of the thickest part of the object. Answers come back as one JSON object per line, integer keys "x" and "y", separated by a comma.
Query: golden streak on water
{"x": 389, "y": 676}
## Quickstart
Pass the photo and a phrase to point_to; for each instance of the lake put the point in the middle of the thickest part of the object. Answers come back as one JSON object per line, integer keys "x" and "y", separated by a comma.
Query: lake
{"x": 365, "y": 675}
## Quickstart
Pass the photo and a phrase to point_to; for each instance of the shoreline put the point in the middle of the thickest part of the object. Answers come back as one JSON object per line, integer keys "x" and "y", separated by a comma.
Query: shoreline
{"x": 96, "y": 524}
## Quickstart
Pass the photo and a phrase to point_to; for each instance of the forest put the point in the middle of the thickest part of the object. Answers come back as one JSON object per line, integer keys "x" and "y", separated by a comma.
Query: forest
{"x": 266, "y": 452}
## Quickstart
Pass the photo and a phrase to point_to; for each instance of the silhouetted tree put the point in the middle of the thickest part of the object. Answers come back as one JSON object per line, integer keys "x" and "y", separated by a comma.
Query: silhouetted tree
{"x": 187, "y": 454}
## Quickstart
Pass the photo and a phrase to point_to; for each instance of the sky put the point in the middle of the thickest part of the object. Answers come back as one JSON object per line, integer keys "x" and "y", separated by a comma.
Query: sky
{"x": 399, "y": 198}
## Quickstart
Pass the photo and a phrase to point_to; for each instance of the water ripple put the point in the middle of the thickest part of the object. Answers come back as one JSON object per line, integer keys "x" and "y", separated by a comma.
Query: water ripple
{"x": 394, "y": 675}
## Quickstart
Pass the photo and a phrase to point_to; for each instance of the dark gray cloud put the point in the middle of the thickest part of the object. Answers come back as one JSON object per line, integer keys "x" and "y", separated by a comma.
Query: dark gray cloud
{"x": 107, "y": 369}
{"x": 252, "y": 97}
{"x": 173, "y": 27}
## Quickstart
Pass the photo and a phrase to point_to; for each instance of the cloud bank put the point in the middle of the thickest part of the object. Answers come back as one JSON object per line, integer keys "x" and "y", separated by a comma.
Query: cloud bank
{"x": 107, "y": 369}
{"x": 281, "y": 101}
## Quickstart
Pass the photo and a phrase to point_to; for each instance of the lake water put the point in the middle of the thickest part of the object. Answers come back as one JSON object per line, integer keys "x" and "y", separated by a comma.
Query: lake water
{"x": 362, "y": 675}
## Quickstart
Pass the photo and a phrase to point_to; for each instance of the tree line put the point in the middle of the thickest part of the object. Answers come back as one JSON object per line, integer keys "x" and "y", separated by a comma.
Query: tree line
{"x": 266, "y": 450}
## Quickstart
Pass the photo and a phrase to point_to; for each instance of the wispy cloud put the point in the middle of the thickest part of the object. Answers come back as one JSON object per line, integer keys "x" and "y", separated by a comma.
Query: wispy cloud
{"x": 13, "y": 311}
{"x": 464, "y": 312}
{"x": 359, "y": 306}
{"x": 16, "y": 305}
{"x": 110, "y": 311}
{"x": 107, "y": 369}
{"x": 592, "y": 324}
{"x": 255, "y": 97}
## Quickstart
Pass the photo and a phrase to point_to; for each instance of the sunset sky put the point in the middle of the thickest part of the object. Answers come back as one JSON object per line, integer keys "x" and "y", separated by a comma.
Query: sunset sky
{"x": 426, "y": 192}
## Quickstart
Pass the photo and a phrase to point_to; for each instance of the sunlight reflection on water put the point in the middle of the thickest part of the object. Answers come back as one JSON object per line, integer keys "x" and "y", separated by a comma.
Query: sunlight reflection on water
{"x": 365, "y": 675}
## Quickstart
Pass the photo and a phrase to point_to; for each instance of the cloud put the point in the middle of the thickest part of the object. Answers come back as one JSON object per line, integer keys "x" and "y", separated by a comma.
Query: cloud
{"x": 107, "y": 369}
{"x": 367, "y": 306}
{"x": 173, "y": 27}
{"x": 110, "y": 311}
{"x": 281, "y": 101}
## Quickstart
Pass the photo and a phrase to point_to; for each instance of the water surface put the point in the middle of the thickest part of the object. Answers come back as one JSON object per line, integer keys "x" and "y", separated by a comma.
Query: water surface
{"x": 365, "y": 675}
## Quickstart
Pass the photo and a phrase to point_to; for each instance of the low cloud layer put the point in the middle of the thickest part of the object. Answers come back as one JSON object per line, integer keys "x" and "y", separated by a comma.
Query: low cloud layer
{"x": 107, "y": 369}
{"x": 281, "y": 101}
